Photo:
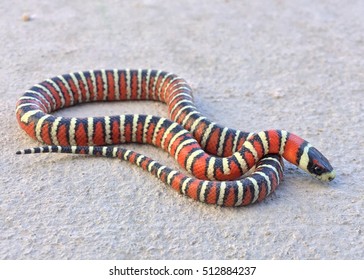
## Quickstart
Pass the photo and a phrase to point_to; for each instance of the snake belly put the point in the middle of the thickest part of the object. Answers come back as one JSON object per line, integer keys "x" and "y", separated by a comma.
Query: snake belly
{"x": 217, "y": 156}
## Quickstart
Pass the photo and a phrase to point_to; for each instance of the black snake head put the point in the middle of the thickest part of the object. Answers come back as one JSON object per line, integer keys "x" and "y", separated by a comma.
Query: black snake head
{"x": 318, "y": 165}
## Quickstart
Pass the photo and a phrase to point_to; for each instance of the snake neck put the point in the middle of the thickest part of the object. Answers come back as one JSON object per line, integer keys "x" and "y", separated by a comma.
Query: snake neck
{"x": 281, "y": 142}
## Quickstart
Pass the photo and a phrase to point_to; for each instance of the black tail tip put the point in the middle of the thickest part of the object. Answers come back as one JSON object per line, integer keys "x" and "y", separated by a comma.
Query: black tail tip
{"x": 18, "y": 152}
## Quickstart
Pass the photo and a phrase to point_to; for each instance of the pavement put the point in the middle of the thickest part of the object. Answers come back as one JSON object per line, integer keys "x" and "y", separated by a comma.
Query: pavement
{"x": 253, "y": 65}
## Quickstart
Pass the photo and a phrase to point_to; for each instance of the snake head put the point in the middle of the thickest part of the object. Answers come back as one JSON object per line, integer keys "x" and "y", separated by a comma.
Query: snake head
{"x": 301, "y": 153}
{"x": 317, "y": 165}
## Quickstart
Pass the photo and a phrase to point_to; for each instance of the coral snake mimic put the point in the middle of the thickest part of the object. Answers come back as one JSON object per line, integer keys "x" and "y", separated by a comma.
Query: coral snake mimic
{"x": 216, "y": 156}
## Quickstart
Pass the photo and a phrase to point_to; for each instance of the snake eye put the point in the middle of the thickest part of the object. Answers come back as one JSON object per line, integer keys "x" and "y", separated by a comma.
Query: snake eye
{"x": 318, "y": 170}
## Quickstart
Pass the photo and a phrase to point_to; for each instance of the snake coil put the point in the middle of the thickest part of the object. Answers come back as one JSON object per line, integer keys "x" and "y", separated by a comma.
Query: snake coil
{"x": 217, "y": 156}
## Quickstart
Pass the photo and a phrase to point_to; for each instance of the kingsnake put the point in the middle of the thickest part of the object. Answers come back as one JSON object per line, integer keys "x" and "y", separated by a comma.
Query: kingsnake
{"x": 217, "y": 156}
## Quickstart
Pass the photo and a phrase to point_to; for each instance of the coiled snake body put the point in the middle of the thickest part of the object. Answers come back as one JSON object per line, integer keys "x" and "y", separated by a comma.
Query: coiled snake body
{"x": 217, "y": 156}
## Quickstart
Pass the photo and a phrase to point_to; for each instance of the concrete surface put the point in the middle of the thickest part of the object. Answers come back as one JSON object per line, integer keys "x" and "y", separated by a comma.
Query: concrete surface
{"x": 253, "y": 65}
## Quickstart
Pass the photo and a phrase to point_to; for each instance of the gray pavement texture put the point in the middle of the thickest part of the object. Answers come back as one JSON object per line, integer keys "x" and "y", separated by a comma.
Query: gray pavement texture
{"x": 253, "y": 65}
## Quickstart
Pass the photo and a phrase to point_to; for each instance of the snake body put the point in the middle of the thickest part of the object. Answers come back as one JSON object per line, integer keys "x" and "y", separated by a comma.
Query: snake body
{"x": 217, "y": 156}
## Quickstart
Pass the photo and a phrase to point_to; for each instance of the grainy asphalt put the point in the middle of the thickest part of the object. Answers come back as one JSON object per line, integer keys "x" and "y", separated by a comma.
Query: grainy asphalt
{"x": 253, "y": 65}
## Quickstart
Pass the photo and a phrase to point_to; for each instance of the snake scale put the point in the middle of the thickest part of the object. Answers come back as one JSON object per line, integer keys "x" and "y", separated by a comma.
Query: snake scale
{"x": 216, "y": 156}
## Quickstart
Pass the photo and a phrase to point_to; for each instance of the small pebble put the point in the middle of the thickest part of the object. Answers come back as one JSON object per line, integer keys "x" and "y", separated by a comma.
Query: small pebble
{"x": 277, "y": 94}
{"x": 26, "y": 17}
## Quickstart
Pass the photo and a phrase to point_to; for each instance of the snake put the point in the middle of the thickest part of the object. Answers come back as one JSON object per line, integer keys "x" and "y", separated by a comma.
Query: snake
{"x": 228, "y": 167}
